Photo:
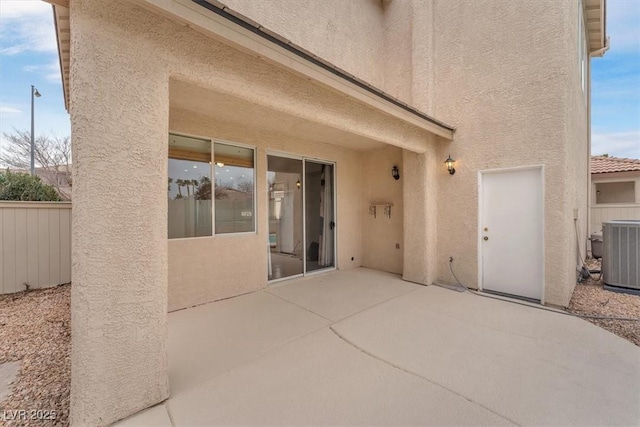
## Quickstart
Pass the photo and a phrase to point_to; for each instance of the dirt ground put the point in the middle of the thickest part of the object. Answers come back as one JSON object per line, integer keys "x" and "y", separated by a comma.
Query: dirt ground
{"x": 590, "y": 297}
{"x": 34, "y": 328}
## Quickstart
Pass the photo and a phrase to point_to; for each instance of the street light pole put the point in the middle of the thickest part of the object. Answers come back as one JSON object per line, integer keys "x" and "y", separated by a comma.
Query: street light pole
{"x": 34, "y": 93}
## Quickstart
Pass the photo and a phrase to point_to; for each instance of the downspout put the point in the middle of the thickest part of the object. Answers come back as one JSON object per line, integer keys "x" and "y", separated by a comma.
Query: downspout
{"x": 597, "y": 53}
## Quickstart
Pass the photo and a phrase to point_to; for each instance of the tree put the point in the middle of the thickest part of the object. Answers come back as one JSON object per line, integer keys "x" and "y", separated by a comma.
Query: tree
{"x": 245, "y": 185}
{"x": 52, "y": 154}
{"x": 179, "y": 183}
{"x": 24, "y": 187}
{"x": 203, "y": 190}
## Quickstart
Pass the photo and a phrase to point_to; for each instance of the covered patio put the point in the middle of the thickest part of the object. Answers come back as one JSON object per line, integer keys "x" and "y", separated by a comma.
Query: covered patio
{"x": 363, "y": 347}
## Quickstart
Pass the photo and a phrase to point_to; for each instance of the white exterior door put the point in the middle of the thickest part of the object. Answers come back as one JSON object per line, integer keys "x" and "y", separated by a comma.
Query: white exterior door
{"x": 511, "y": 246}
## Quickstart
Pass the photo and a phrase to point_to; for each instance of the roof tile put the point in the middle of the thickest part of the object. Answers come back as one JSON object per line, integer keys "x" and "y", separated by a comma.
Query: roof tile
{"x": 604, "y": 164}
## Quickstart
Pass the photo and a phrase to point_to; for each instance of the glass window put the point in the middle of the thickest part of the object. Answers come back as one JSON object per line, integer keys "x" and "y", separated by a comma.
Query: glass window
{"x": 234, "y": 189}
{"x": 189, "y": 187}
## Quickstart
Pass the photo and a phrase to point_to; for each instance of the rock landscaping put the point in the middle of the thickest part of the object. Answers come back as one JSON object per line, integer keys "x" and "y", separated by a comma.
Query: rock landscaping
{"x": 35, "y": 330}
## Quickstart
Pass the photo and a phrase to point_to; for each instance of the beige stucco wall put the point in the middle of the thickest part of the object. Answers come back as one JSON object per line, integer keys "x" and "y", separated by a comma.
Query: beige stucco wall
{"x": 121, "y": 254}
{"x": 348, "y": 34}
{"x": 507, "y": 92}
{"x": 119, "y": 121}
{"x": 616, "y": 191}
{"x": 381, "y": 233}
{"x": 208, "y": 268}
{"x": 514, "y": 97}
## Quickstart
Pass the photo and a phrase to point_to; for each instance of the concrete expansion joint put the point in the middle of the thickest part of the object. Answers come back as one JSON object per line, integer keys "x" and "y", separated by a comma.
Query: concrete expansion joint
{"x": 299, "y": 306}
{"x": 396, "y": 366}
{"x": 169, "y": 414}
{"x": 333, "y": 322}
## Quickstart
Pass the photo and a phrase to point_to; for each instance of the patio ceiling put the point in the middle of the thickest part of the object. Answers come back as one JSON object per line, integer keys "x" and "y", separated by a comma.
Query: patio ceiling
{"x": 229, "y": 112}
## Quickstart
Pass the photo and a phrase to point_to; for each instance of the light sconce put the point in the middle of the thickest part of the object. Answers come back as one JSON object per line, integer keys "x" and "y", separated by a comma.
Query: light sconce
{"x": 395, "y": 172}
{"x": 450, "y": 162}
{"x": 298, "y": 184}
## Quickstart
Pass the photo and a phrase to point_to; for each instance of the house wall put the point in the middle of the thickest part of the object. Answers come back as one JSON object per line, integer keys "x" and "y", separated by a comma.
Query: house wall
{"x": 509, "y": 108}
{"x": 348, "y": 34}
{"x": 381, "y": 233}
{"x": 615, "y": 192}
{"x": 123, "y": 262}
{"x": 206, "y": 269}
{"x": 614, "y": 178}
{"x": 515, "y": 100}
{"x": 612, "y": 211}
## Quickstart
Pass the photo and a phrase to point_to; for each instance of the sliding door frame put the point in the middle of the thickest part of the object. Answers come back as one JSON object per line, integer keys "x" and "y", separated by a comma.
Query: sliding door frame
{"x": 304, "y": 161}
{"x": 335, "y": 212}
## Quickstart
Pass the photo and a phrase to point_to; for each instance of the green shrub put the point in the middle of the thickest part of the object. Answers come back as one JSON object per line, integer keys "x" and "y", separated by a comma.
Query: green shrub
{"x": 23, "y": 187}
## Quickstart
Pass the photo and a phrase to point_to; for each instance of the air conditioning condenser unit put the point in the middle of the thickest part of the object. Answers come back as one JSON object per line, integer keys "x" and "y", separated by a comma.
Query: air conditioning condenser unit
{"x": 621, "y": 259}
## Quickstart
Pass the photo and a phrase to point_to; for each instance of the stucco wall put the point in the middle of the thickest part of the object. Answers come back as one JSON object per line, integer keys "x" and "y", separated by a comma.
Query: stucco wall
{"x": 615, "y": 177}
{"x": 380, "y": 234}
{"x": 121, "y": 255}
{"x": 119, "y": 121}
{"x": 509, "y": 84}
{"x": 349, "y": 34}
{"x": 506, "y": 91}
{"x": 615, "y": 192}
{"x": 208, "y": 268}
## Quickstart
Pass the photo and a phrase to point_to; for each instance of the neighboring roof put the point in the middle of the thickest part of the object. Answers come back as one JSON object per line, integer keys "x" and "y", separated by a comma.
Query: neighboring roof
{"x": 606, "y": 164}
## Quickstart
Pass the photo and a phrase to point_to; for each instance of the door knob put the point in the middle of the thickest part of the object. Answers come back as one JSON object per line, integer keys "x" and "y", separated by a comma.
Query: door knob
{"x": 485, "y": 238}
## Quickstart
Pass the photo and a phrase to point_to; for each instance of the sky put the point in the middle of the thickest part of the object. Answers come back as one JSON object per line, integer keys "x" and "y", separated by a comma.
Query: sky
{"x": 28, "y": 56}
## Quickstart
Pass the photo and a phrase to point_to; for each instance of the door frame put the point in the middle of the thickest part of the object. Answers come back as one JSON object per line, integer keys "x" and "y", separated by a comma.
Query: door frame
{"x": 304, "y": 159}
{"x": 481, "y": 174}
{"x": 335, "y": 215}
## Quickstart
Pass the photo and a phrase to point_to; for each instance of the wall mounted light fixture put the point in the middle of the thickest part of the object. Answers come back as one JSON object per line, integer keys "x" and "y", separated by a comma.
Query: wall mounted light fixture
{"x": 298, "y": 184}
{"x": 395, "y": 172}
{"x": 450, "y": 162}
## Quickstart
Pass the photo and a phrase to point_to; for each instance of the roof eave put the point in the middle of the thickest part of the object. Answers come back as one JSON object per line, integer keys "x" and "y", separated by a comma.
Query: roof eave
{"x": 595, "y": 13}
{"x": 217, "y": 21}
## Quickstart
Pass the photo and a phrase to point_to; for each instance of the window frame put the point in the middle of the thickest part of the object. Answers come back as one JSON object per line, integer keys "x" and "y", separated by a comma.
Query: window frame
{"x": 213, "y": 141}
{"x": 255, "y": 179}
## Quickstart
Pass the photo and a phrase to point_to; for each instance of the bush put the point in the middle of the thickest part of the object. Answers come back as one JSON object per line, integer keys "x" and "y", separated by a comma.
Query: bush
{"x": 23, "y": 187}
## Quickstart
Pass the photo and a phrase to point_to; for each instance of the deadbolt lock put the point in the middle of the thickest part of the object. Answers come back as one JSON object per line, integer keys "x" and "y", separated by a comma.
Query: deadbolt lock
{"x": 486, "y": 229}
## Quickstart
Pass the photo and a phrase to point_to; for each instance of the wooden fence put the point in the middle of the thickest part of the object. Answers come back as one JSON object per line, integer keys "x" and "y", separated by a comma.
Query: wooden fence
{"x": 35, "y": 245}
{"x": 601, "y": 213}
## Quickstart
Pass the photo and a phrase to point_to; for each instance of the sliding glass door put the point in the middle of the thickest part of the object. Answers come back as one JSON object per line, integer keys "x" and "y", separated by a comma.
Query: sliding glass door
{"x": 320, "y": 226}
{"x": 286, "y": 245}
{"x": 301, "y": 216}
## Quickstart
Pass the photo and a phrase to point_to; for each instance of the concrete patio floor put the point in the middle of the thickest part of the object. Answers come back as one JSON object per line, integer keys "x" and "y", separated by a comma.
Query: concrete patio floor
{"x": 362, "y": 347}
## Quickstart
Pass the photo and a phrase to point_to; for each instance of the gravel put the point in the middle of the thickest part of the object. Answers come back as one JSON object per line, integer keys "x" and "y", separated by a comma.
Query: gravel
{"x": 35, "y": 328}
{"x": 591, "y": 298}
